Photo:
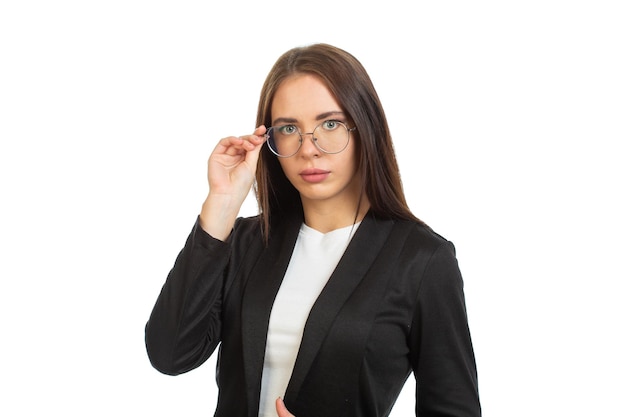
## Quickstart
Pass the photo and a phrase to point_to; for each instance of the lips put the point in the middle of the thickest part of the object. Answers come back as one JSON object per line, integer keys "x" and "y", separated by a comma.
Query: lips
{"x": 314, "y": 175}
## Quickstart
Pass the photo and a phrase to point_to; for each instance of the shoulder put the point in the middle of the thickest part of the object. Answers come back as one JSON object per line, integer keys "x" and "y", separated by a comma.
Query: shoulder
{"x": 416, "y": 239}
{"x": 248, "y": 224}
{"x": 438, "y": 264}
{"x": 427, "y": 256}
{"x": 421, "y": 238}
{"x": 246, "y": 231}
{"x": 251, "y": 227}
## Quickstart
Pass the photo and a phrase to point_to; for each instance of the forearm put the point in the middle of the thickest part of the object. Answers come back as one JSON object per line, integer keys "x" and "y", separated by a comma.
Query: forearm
{"x": 443, "y": 356}
{"x": 184, "y": 326}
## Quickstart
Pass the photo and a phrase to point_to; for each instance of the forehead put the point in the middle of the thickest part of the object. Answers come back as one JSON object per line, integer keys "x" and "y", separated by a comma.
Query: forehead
{"x": 302, "y": 97}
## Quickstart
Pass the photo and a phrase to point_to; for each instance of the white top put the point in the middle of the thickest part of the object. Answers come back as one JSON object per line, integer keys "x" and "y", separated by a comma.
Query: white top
{"x": 314, "y": 259}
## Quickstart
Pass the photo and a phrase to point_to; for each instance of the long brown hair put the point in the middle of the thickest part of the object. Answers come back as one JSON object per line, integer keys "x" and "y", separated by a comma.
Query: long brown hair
{"x": 352, "y": 87}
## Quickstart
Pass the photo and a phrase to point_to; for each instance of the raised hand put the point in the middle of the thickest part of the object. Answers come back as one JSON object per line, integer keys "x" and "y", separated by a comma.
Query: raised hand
{"x": 232, "y": 164}
{"x": 231, "y": 170}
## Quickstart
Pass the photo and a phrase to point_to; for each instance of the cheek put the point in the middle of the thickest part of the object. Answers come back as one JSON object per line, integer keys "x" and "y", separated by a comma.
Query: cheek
{"x": 350, "y": 159}
{"x": 288, "y": 167}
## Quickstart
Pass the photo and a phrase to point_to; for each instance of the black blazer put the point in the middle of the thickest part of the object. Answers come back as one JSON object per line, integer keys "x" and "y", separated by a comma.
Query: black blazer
{"x": 394, "y": 304}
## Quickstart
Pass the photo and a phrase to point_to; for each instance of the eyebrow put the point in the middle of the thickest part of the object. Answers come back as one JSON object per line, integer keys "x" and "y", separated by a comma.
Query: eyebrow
{"x": 321, "y": 116}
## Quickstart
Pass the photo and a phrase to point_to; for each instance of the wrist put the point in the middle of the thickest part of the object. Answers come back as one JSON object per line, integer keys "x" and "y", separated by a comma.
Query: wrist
{"x": 218, "y": 215}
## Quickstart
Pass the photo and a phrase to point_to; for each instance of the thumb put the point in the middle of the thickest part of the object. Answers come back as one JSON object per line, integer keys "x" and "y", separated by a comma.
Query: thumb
{"x": 253, "y": 156}
{"x": 281, "y": 410}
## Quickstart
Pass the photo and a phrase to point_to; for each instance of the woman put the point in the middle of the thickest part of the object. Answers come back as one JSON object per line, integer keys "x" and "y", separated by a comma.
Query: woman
{"x": 325, "y": 302}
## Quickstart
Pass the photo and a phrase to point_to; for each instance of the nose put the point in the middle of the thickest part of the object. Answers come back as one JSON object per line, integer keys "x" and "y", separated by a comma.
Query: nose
{"x": 309, "y": 147}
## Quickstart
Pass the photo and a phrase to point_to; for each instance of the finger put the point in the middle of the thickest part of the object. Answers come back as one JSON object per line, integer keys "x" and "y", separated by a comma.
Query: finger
{"x": 230, "y": 141}
{"x": 253, "y": 144}
{"x": 281, "y": 410}
{"x": 259, "y": 131}
{"x": 233, "y": 145}
{"x": 239, "y": 145}
{"x": 257, "y": 137}
{"x": 252, "y": 156}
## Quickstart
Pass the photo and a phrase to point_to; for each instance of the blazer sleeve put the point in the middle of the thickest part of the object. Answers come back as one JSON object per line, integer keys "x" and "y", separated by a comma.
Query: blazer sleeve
{"x": 185, "y": 324}
{"x": 441, "y": 348}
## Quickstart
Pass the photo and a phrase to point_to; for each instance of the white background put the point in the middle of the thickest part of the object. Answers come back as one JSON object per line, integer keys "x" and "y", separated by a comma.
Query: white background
{"x": 509, "y": 124}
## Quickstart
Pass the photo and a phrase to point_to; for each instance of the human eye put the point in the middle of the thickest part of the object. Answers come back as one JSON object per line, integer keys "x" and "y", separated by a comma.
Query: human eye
{"x": 287, "y": 130}
{"x": 331, "y": 124}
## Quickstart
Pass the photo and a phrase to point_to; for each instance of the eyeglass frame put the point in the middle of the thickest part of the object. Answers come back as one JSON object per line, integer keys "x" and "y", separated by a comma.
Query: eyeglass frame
{"x": 313, "y": 139}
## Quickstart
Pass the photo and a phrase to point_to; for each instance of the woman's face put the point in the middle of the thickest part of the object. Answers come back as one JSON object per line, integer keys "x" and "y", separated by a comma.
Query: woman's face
{"x": 303, "y": 101}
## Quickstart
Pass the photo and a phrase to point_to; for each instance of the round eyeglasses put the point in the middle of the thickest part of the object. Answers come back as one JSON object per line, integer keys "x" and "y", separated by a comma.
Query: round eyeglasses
{"x": 330, "y": 136}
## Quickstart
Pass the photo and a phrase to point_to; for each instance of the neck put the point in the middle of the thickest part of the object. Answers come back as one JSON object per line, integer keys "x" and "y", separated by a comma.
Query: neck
{"x": 325, "y": 218}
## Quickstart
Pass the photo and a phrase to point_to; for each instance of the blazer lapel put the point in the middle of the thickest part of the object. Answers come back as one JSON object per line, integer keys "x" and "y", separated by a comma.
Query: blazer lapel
{"x": 258, "y": 298}
{"x": 354, "y": 264}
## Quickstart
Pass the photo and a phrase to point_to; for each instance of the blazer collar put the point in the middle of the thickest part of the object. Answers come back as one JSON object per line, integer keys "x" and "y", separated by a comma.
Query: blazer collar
{"x": 367, "y": 242}
{"x": 257, "y": 301}
{"x": 264, "y": 284}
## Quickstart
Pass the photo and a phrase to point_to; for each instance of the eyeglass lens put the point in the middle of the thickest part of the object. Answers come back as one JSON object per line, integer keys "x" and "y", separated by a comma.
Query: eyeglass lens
{"x": 330, "y": 137}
